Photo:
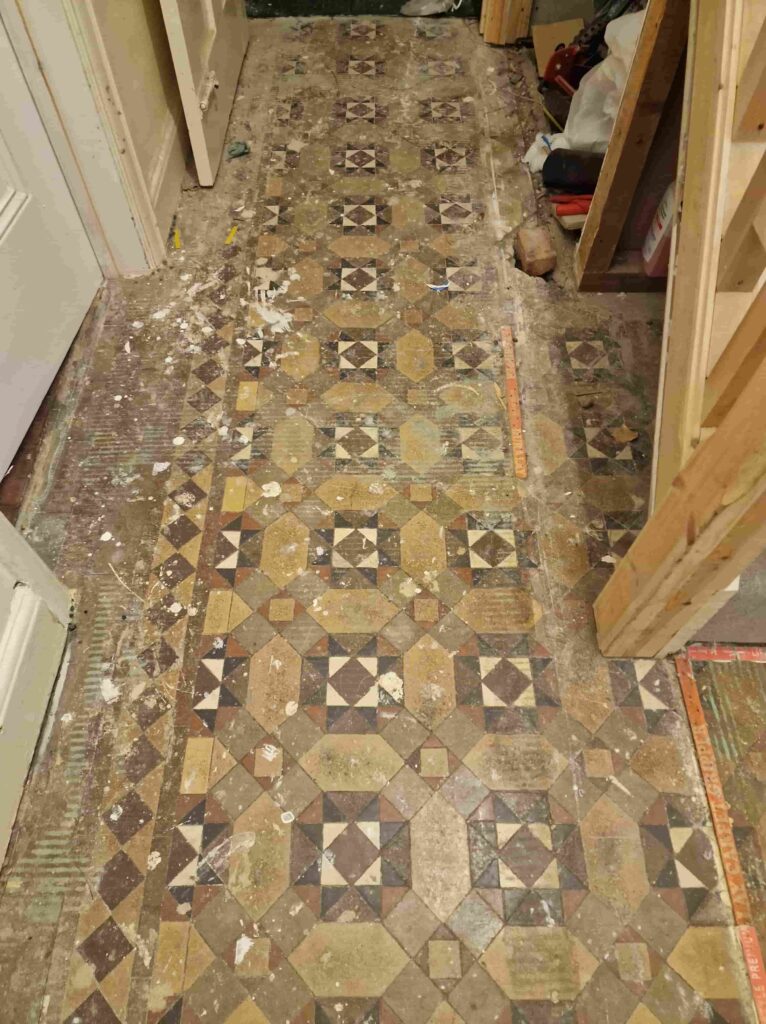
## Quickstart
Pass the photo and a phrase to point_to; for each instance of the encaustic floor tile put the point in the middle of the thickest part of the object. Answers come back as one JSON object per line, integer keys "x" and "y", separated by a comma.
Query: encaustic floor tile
{"x": 336, "y": 744}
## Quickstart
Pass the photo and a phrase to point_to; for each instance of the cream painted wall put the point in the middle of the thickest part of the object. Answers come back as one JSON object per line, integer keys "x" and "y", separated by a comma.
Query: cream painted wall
{"x": 136, "y": 45}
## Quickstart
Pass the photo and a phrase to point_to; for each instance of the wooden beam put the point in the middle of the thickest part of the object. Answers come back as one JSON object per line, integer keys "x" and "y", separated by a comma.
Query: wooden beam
{"x": 709, "y": 526}
{"x": 522, "y": 13}
{"x": 660, "y": 47}
{"x": 737, "y": 363}
{"x": 701, "y": 194}
{"x": 507, "y": 22}
{"x": 495, "y": 20}
{"x": 703, "y": 614}
{"x": 626, "y": 274}
{"x": 504, "y": 21}
{"x": 750, "y": 109}
{"x": 743, "y": 256}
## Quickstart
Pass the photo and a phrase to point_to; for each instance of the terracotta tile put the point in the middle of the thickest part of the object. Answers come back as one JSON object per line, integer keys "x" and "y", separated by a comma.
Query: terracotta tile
{"x": 407, "y": 792}
{"x": 404, "y": 733}
{"x": 477, "y": 998}
{"x": 413, "y": 997}
{"x": 94, "y": 1010}
{"x": 544, "y": 960}
{"x": 411, "y": 923}
{"x": 348, "y": 959}
{"x": 222, "y": 922}
{"x": 605, "y": 994}
{"x": 475, "y": 923}
{"x": 105, "y": 948}
{"x": 118, "y": 879}
{"x": 699, "y": 957}
{"x": 216, "y": 991}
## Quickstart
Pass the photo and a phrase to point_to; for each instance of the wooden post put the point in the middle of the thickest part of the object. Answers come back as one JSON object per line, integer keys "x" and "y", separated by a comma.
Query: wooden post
{"x": 494, "y": 18}
{"x": 700, "y": 193}
{"x": 708, "y": 527}
{"x": 504, "y": 21}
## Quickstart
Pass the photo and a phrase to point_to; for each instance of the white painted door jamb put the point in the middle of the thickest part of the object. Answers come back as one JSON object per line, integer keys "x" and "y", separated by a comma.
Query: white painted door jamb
{"x": 62, "y": 56}
{"x": 34, "y": 625}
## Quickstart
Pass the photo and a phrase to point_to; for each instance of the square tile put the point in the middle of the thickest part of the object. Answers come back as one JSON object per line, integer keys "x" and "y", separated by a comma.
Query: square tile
{"x": 475, "y": 923}
{"x": 105, "y": 948}
{"x": 281, "y": 609}
{"x": 444, "y": 959}
{"x": 411, "y": 923}
{"x": 598, "y": 763}
{"x": 434, "y": 762}
{"x": 426, "y": 609}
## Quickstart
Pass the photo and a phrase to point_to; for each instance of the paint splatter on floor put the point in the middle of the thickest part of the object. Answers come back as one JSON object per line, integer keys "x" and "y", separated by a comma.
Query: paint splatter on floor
{"x": 336, "y": 741}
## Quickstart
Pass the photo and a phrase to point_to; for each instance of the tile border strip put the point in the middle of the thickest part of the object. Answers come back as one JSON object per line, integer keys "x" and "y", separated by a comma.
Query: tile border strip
{"x": 725, "y": 652}
{"x": 719, "y": 811}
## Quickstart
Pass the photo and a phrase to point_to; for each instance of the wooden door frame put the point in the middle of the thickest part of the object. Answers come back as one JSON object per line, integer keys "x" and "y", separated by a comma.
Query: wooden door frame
{"x": 207, "y": 86}
{"x": 62, "y": 57}
{"x": 33, "y": 639}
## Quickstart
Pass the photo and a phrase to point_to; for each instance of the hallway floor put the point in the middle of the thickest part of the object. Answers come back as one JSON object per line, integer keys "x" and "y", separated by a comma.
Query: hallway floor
{"x": 335, "y": 743}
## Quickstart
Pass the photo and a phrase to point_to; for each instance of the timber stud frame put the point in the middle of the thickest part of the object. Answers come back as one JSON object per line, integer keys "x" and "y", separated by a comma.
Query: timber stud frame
{"x": 708, "y": 517}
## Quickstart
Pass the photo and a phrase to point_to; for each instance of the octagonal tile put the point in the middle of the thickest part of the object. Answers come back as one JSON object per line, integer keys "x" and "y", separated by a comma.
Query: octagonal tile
{"x": 525, "y": 761}
{"x": 350, "y": 960}
{"x": 352, "y": 763}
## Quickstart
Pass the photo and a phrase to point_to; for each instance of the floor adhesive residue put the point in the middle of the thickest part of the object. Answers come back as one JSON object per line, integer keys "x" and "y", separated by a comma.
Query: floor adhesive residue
{"x": 336, "y": 743}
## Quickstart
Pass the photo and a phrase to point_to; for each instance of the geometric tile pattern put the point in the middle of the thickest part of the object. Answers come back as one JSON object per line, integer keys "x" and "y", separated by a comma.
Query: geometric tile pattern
{"x": 364, "y": 762}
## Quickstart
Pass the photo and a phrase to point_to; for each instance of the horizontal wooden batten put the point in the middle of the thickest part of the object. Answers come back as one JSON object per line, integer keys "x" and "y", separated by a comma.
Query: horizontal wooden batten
{"x": 737, "y": 363}
{"x": 701, "y": 190}
{"x": 750, "y": 110}
{"x": 743, "y": 246}
{"x": 626, "y": 274}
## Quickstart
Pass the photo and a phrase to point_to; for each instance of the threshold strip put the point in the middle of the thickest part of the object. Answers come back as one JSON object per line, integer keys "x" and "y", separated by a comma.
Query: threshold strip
{"x": 719, "y": 812}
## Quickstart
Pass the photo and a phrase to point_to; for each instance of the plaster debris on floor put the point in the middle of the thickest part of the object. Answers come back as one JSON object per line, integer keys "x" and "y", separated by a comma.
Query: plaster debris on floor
{"x": 335, "y": 742}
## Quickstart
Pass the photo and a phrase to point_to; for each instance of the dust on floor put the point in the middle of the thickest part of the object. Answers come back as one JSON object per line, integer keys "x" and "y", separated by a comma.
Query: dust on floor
{"x": 336, "y": 743}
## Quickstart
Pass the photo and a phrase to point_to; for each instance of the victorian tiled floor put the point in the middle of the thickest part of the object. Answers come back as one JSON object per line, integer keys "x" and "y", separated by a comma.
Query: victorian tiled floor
{"x": 336, "y": 743}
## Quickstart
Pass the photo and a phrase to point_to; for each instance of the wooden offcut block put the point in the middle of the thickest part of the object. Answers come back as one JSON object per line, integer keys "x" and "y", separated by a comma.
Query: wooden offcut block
{"x": 534, "y": 251}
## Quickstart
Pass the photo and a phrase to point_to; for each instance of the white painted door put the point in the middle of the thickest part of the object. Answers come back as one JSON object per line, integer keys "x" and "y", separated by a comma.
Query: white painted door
{"x": 34, "y": 616}
{"x": 48, "y": 273}
{"x": 208, "y": 40}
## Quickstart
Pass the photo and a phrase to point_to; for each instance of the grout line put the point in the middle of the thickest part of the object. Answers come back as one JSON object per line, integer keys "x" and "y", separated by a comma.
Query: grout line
{"x": 719, "y": 812}
{"x": 514, "y": 405}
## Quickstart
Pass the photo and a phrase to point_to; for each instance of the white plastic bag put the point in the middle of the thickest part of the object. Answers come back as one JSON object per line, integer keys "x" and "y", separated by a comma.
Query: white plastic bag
{"x": 597, "y": 100}
{"x": 538, "y": 152}
{"x": 427, "y": 8}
